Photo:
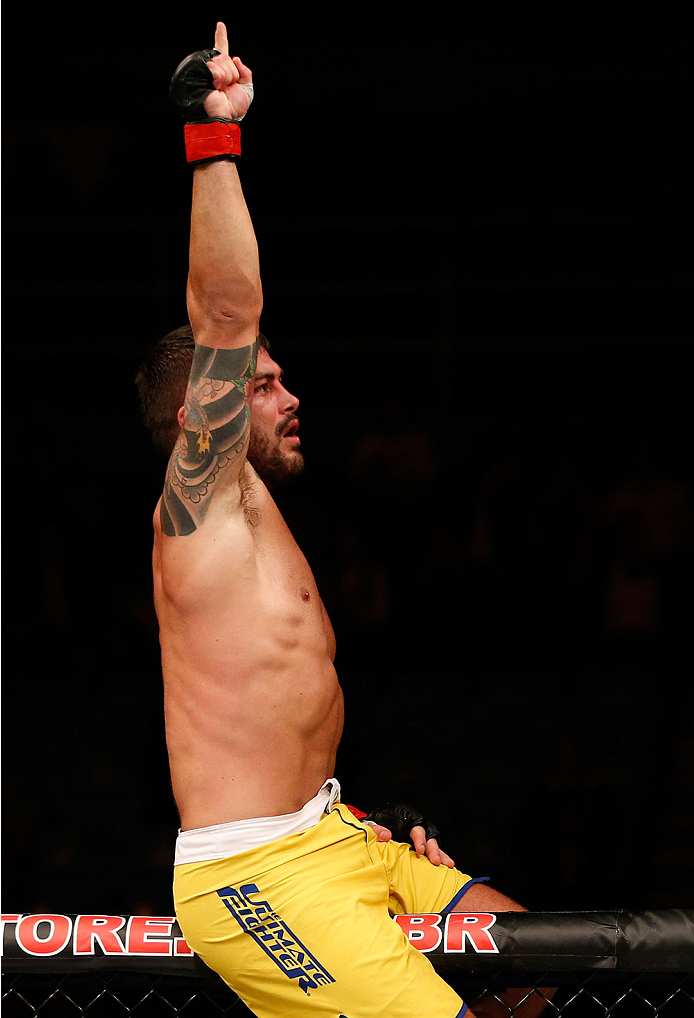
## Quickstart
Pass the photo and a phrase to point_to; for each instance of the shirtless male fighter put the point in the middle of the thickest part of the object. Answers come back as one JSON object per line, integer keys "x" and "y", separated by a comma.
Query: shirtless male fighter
{"x": 278, "y": 887}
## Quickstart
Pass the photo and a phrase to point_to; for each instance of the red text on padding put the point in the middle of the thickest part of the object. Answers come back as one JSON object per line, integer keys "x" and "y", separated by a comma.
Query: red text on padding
{"x": 460, "y": 929}
{"x": 43, "y": 935}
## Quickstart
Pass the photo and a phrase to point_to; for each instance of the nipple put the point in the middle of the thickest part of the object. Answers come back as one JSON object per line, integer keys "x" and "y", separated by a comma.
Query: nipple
{"x": 305, "y": 596}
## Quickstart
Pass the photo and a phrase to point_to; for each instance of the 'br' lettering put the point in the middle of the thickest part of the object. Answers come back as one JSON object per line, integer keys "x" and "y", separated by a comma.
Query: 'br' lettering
{"x": 462, "y": 929}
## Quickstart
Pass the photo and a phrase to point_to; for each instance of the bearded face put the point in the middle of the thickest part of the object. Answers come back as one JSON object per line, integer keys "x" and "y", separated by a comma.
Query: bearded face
{"x": 272, "y": 454}
{"x": 274, "y": 449}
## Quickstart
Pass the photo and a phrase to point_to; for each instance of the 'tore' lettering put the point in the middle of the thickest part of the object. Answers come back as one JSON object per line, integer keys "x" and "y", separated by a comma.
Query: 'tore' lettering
{"x": 44, "y": 935}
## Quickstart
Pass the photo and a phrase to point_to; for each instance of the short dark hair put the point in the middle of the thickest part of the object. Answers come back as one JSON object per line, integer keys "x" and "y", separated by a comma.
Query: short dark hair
{"x": 161, "y": 383}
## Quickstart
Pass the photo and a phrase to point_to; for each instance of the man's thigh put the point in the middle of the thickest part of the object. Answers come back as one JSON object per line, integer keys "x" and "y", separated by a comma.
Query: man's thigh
{"x": 313, "y": 939}
{"x": 415, "y": 884}
{"x": 324, "y": 960}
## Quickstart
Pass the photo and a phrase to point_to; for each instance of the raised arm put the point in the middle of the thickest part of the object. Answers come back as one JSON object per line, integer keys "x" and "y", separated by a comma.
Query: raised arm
{"x": 224, "y": 293}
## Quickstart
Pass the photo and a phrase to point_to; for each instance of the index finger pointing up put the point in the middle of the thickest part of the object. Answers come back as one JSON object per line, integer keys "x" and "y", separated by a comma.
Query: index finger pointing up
{"x": 221, "y": 42}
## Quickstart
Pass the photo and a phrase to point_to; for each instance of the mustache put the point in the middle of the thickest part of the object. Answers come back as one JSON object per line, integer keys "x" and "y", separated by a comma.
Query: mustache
{"x": 284, "y": 424}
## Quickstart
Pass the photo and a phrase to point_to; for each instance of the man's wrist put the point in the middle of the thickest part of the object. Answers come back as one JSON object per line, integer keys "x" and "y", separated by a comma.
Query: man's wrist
{"x": 217, "y": 139}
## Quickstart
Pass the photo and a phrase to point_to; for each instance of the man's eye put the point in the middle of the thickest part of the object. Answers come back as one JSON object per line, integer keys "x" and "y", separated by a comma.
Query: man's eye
{"x": 261, "y": 388}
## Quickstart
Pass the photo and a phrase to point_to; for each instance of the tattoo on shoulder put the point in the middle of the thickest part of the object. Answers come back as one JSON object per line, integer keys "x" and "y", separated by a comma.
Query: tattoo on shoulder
{"x": 215, "y": 432}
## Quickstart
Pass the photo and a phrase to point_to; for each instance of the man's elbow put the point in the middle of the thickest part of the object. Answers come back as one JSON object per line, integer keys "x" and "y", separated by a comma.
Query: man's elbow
{"x": 217, "y": 314}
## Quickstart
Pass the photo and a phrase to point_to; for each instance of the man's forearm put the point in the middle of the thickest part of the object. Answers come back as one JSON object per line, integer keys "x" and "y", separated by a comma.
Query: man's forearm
{"x": 224, "y": 289}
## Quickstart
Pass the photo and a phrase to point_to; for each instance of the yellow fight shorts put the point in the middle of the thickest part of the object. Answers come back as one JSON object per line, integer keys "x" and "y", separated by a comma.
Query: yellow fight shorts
{"x": 301, "y": 926}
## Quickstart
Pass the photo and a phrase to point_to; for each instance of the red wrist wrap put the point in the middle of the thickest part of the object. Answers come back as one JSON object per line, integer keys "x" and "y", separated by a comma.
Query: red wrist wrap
{"x": 357, "y": 812}
{"x": 210, "y": 141}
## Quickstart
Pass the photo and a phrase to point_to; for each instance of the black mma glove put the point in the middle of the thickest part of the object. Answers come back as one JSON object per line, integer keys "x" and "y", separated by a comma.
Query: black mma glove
{"x": 190, "y": 86}
{"x": 400, "y": 818}
{"x": 206, "y": 137}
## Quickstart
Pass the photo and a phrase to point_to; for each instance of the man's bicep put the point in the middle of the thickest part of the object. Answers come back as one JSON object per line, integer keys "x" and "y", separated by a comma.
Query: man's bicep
{"x": 211, "y": 448}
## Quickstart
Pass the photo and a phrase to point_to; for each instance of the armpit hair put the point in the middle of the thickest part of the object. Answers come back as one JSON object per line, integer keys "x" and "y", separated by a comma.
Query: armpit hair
{"x": 251, "y": 512}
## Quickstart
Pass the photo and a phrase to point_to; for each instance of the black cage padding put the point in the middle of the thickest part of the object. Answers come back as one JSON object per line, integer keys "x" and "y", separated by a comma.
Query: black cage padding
{"x": 656, "y": 940}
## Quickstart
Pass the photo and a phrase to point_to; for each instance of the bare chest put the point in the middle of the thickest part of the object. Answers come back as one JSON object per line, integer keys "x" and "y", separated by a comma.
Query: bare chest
{"x": 285, "y": 578}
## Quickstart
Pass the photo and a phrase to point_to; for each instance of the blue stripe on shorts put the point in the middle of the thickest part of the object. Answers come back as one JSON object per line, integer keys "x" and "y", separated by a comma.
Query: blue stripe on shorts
{"x": 459, "y": 895}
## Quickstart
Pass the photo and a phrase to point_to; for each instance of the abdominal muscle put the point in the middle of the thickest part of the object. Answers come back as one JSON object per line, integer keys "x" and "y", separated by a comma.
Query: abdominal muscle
{"x": 253, "y": 708}
{"x": 247, "y": 748}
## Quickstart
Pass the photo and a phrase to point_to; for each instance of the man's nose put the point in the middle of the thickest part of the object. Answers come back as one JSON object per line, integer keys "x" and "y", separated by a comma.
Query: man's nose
{"x": 290, "y": 403}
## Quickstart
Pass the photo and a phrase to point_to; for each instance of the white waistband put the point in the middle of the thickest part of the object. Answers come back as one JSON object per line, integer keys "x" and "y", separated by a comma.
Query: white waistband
{"x": 225, "y": 840}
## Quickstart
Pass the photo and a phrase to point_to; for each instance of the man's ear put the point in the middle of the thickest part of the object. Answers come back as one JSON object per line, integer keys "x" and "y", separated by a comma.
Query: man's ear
{"x": 180, "y": 416}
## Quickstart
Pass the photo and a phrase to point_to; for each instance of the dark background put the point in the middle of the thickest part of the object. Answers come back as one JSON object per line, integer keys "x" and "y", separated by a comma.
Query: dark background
{"x": 475, "y": 244}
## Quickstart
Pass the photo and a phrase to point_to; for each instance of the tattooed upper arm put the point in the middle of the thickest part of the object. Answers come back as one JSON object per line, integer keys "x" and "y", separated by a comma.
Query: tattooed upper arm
{"x": 211, "y": 448}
